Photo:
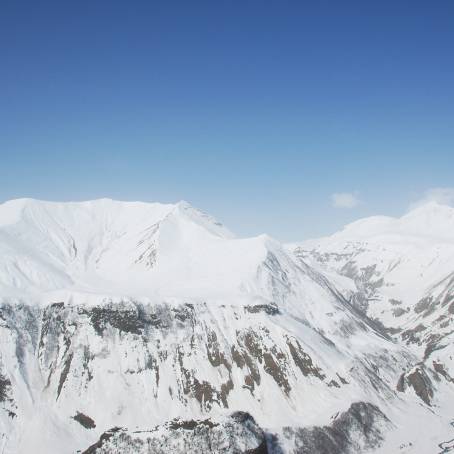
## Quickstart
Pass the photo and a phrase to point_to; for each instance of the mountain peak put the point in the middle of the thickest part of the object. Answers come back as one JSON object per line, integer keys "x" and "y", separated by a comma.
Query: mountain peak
{"x": 431, "y": 209}
{"x": 110, "y": 246}
{"x": 431, "y": 220}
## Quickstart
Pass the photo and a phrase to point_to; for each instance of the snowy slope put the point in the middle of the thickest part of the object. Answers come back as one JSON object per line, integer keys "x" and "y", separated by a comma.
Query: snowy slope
{"x": 120, "y": 314}
{"x": 100, "y": 245}
{"x": 399, "y": 259}
{"x": 400, "y": 272}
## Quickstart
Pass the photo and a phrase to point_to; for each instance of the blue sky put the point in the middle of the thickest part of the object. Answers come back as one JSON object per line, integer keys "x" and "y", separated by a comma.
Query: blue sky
{"x": 255, "y": 111}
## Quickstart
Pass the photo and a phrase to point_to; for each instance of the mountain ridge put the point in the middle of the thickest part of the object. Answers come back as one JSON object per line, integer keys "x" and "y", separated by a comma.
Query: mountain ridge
{"x": 133, "y": 314}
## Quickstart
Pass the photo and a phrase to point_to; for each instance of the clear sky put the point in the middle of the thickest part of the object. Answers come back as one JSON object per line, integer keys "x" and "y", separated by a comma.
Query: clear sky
{"x": 285, "y": 117}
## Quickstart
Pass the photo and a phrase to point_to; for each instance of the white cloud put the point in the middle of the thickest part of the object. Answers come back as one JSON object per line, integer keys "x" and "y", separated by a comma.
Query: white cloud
{"x": 345, "y": 200}
{"x": 443, "y": 196}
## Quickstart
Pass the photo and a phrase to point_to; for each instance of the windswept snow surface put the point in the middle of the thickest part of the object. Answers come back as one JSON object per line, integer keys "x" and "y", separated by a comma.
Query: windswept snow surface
{"x": 112, "y": 247}
{"x": 129, "y": 314}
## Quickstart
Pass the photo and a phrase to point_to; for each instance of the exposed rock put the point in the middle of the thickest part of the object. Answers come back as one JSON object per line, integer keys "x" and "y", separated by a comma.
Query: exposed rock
{"x": 398, "y": 312}
{"x": 5, "y": 388}
{"x": 423, "y": 304}
{"x": 401, "y": 384}
{"x": 98, "y": 447}
{"x": 273, "y": 368}
{"x": 269, "y": 309}
{"x": 238, "y": 434}
{"x": 421, "y": 384}
{"x": 182, "y": 351}
{"x": 124, "y": 319}
{"x": 419, "y": 380}
{"x": 215, "y": 355}
{"x": 451, "y": 308}
{"x": 303, "y": 360}
{"x": 411, "y": 336}
{"x": 84, "y": 420}
{"x": 64, "y": 373}
{"x": 359, "y": 429}
{"x": 440, "y": 368}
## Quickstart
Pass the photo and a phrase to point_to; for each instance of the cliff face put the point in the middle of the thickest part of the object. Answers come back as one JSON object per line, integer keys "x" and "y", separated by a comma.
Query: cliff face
{"x": 132, "y": 365}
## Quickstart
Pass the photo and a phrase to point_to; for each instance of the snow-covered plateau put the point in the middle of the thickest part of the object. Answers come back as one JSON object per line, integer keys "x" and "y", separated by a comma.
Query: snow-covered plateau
{"x": 130, "y": 327}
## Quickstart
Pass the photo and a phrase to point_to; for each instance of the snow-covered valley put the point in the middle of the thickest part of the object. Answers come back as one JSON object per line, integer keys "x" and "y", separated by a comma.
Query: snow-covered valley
{"x": 143, "y": 327}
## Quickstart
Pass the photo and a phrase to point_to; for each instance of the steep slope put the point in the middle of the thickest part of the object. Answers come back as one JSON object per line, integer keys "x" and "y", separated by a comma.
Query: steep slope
{"x": 394, "y": 262}
{"x": 401, "y": 274}
{"x": 130, "y": 315}
{"x": 97, "y": 245}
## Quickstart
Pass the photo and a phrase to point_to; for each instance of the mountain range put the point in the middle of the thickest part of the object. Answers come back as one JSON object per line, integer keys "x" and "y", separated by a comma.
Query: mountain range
{"x": 129, "y": 327}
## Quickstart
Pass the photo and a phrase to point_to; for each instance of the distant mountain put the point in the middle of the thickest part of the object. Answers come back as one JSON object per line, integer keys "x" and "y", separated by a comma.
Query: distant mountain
{"x": 400, "y": 273}
{"x": 144, "y": 328}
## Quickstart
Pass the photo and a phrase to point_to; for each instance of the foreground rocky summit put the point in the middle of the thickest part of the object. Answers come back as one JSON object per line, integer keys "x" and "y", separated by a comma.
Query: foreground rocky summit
{"x": 129, "y": 327}
{"x": 359, "y": 428}
{"x": 238, "y": 433}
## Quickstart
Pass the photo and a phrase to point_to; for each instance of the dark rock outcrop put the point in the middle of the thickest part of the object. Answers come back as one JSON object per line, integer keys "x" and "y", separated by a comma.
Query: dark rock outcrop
{"x": 238, "y": 434}
{"x": 358, "y": 429}
{"x": 419, "y": 380}
{"x": 84, "y": 420}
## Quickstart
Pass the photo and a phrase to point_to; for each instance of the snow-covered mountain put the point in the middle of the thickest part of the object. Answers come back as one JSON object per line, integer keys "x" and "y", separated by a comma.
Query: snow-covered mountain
{"x": 400, "y": 273}
{"x": 136, "y": 327}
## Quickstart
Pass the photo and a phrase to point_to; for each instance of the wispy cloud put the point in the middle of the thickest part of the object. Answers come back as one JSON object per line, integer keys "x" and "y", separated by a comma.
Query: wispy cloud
{"x": 443, "y": 196}
{"x": 345, "y": 200}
